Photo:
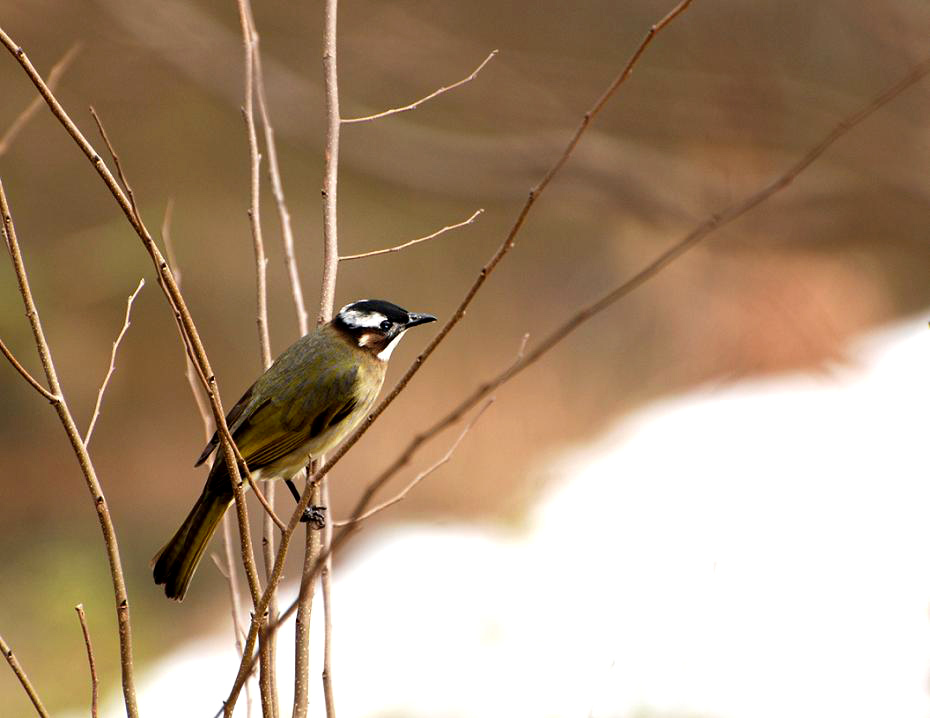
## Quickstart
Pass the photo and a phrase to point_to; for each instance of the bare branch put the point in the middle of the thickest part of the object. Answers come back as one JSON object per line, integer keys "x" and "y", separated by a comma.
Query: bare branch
{"x": 704, "y": 229}
{"x": 330, "y": 163}
{"x": 313, "y": 548}
{"x": 116, "y": 162}
{"x": 314, "y": 541}
{"x": 308, "y": 494}
{"x": 326, "y": 578}
{"x": 92, "y": 664}
{"x": 268, "y": 647}
{"x": 255, "y": 158}
{"x": 412, "y": 241}
{"x": 26, "y": 375}
{"x": 422, "y": 475}
{"x": 190, "y": 371}
{"x": 436, "y": 93}
{"x": 112, "y": 368}
{"x": 29, "y": 112}
{"x": 266, "y": 504}
{"x": 23, "y": 678}
{"x": 277, "y": 188}
{"x": 87, "y": 467}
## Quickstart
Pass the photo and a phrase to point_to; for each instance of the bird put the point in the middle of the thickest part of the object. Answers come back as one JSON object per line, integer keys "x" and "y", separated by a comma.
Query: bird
{"x": 313, "y": 395}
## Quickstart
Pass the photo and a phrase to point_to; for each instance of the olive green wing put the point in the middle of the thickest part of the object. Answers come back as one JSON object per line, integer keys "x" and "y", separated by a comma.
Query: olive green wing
{"x": 234, "y": 416}
{"x": 297, "y": 412}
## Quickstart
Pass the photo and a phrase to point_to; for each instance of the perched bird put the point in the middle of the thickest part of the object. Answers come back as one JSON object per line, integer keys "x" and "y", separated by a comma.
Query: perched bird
{"x": 313, "y": 395}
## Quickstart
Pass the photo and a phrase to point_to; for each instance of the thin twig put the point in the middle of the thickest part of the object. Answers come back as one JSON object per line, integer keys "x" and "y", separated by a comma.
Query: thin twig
{"x": 330, "y": 163}
{"x": 422, "y": 475}
{"x": 246, "y": 666}
{"x": 313, "y": 543}
{"x": 254, "y": 212}
{"x": 195, "y": 377}
{"x": 87, "y": 467}
{"x": 116, "y": 163}
{"x": 267, "y": 673}
{"x": 707, "y": 227}
{"x": 29, "y": 112}
{"x": 399, "y": 247}
{"x": 112, "y": 367}
{"x": 23, "y": 678}
{"x": 415, "y": 105}
{"x": 326, "y": 579}
{"x": 277, "y": 187}
{"x": 313, "y": 539}
{"x": 26, "y": 375}
{"x": 190, "y": 370}
{"x": 92, "y": 664}
{"x": 266, "y": 504}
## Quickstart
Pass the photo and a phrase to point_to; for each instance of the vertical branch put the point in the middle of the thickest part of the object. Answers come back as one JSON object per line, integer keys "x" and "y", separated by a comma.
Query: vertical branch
{"x": 312, "y": 549}
{"x": 91, "y": 662}
{"x": 277, "y": 188}
{"x": 314, "y": 543}
{"x": 87, "y": 466}
{"x": 331, "y": 164}
{"x": 326, "y": 584}
{"x": 267, "y": 679}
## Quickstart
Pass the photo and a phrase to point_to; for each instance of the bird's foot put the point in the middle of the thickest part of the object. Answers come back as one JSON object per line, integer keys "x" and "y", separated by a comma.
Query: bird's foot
{"x": 315, "y": 516}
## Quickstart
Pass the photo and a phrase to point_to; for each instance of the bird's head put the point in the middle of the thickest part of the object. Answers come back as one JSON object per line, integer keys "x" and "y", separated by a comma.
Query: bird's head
{"x": 376, "y": 325}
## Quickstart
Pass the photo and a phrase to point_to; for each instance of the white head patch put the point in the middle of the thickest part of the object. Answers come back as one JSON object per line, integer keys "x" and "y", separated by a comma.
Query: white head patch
{"x": 361, "y": 320}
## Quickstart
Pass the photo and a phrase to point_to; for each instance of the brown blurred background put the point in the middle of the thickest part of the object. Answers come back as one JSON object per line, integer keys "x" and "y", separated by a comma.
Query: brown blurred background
{"x": 724, "y": 100}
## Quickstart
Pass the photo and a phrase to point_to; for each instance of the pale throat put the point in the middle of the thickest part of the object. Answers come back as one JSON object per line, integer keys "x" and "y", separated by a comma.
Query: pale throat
{"x": 385, "y": 353}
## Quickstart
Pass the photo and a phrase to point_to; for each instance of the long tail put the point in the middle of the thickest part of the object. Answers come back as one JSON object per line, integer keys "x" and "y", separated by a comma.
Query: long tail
{"x": 175, "y": 564}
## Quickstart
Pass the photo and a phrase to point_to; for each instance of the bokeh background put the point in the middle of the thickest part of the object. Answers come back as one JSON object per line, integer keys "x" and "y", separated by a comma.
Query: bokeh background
{"x": 724, "y": 100}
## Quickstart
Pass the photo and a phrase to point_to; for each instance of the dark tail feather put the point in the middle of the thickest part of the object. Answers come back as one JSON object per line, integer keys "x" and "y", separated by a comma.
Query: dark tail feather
{"x": 175, "y": 564}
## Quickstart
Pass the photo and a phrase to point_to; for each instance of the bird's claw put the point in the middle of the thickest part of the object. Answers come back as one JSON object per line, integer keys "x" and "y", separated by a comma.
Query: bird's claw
{"x": 315, "y": 516}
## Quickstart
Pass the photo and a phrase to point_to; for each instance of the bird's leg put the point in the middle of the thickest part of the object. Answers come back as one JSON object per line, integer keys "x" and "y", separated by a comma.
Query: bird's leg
{"x": 314, "y": 515}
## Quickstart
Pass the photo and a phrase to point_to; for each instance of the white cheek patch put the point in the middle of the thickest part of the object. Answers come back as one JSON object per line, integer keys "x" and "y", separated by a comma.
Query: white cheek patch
{"x": 361, "y": 320}
{"x": 385, "y": 353}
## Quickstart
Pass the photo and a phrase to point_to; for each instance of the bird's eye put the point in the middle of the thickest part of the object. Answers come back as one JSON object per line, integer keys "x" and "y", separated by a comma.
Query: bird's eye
{"x": 385, "y": 325}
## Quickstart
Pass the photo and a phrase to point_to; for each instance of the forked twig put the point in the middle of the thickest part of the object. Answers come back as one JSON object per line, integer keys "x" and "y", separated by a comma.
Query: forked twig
{"x": 430, "y": 96}
{"x": 116, "y": 162}
{"x": 422, "y": 475}
{"x": 26, "y": 375}
{"x": 399, "y": 247}
{"x": 92, "y": 664}
{"x": 112, "y": 367}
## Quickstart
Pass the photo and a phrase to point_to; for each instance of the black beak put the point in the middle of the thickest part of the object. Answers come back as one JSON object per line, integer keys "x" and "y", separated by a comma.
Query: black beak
{"x": 414, "y": 318}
